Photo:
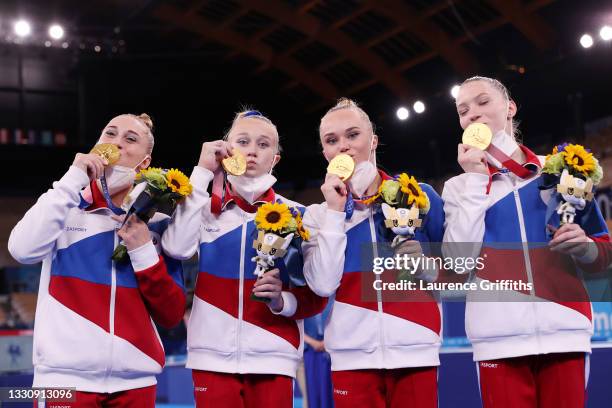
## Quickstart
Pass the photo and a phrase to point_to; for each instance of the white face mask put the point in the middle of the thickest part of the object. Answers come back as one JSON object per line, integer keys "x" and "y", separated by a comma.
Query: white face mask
{"x": 251, "y": 188}
{"x": 363, "y": 175}
{"x": 119, "y": 178}
{"x": 503, "y": 141}
{"x": 362, "y": 178}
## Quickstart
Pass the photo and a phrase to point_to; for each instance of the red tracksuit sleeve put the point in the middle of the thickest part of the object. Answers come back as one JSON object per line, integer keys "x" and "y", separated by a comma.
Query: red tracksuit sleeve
{"x": 163, "y": 296}
{"x": 308, "y": 303}
{"x": 604, "y": 255}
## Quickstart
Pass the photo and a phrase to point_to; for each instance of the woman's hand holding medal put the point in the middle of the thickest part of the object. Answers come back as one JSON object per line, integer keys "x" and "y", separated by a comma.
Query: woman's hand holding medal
{"x": 472, "y": 159}
{"x": 471, "y": 153}
{"x": 100, "y": 156}
{"x": 90, "y": 163}
{"x": 334, "y": 189}
{"x": 213, "y": 153}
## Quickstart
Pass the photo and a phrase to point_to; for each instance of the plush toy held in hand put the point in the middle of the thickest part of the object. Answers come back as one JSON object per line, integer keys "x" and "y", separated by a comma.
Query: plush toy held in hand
{"x": 576, "y": 192}
{"x": 277, "y": 225}
{"x": 402, "y": 221}
{"x": 573, "y": 172}
{"x": 269, "y": 246}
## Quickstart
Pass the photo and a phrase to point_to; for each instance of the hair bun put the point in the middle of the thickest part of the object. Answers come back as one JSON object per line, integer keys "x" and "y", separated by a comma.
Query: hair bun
{"x": 347, "y": 103}
{"x": 146, "y": 119}
{"x": 344, "y": 102}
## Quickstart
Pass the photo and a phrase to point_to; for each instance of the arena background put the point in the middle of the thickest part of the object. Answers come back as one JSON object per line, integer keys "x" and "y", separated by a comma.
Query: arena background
{"x": 191, "y": 64}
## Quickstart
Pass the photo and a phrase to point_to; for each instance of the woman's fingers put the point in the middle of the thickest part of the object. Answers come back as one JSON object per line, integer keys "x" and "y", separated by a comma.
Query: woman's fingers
{"x": 267, "y": 288}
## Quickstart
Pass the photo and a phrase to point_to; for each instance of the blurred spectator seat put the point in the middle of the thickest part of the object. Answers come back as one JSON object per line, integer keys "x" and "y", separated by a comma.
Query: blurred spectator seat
{"x": 24, "y": 304}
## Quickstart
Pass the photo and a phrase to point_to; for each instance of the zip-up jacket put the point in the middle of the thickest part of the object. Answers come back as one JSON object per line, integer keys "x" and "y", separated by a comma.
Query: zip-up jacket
{"x": 507, "y": 226}
{"x": 368, "y": 328}
{"x": 228, "y": 331}
{"x": 94, "y": 319}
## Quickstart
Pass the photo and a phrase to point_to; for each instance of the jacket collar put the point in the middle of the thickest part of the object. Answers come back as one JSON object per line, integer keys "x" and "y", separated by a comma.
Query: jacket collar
{"x": 532, "y": 163}
{"x": 267, "y": 197}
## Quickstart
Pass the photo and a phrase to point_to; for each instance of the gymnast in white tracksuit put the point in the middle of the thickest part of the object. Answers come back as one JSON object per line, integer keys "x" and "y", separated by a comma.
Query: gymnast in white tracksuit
{"x": 529, "y": 353}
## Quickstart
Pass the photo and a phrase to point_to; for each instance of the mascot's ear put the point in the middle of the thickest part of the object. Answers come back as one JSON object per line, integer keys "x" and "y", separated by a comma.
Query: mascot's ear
{"x": 287, "y": 241}
{"x": 387, "y": 210}
{"x": 588, "y": 186}
{"x": 414, "y": 212}
{"x": 566, "y": 179}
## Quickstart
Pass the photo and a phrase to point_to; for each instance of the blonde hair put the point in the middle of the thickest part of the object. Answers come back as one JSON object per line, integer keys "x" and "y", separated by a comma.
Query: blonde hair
{"x": 501, "y": 88}
{"x": 254, "y": 114}
{"x": 346, "y": 103}
{"x": 146, "y": 120}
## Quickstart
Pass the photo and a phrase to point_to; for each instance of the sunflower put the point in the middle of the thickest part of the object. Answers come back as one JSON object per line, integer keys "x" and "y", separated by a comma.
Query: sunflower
{"x": 560, "y": 148}
{"x": 404, "y": 181}
{"x": 273, "y": 217}
{"x": 411, "y": 188}
{"x": 302, "y": 232}
{"x": 579, "y": 159}
{"x": 178, "y": 182}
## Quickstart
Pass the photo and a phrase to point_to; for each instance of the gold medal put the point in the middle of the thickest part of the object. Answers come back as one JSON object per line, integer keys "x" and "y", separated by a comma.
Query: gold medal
{"x": 107, "y": 151}
{"x": 477, "y": 135}
{"x": 235, "y": 164}
{"x": 342, "y": 166}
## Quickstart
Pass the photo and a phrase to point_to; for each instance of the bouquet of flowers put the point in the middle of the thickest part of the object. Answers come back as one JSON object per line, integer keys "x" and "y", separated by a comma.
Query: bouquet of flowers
{"x": 277, "y": 225}
{"x": 574, "y": 171}
{"x": 155, "y": 190}
{"x": 402, "y": 202}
